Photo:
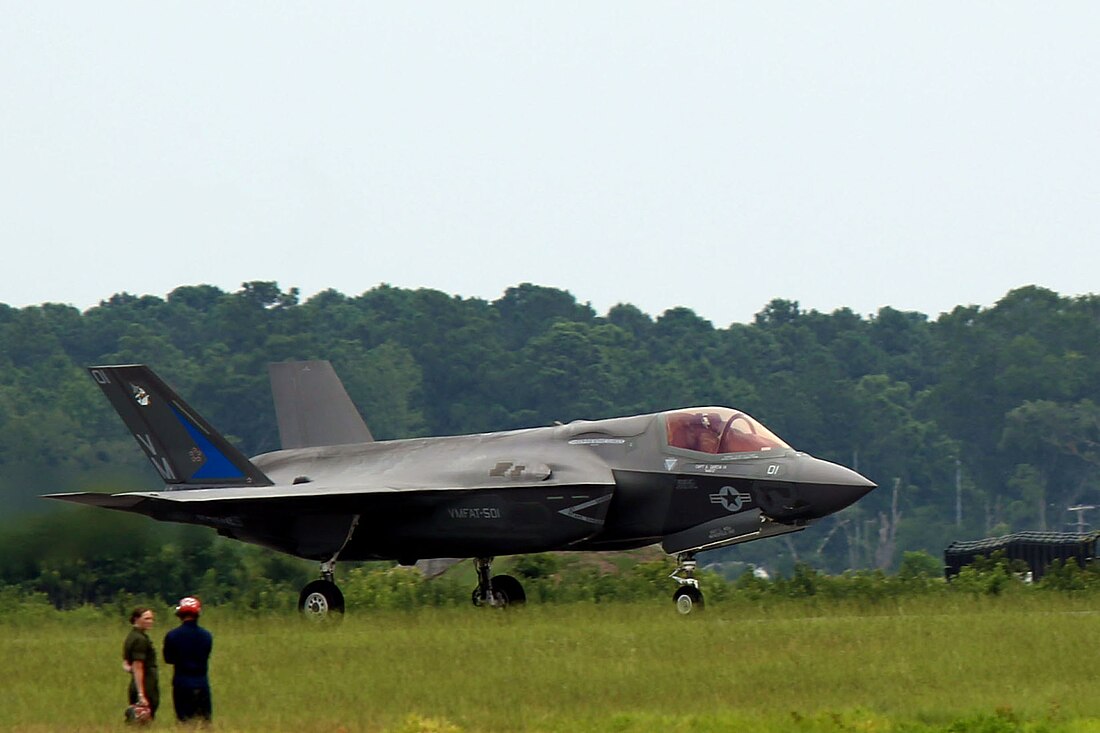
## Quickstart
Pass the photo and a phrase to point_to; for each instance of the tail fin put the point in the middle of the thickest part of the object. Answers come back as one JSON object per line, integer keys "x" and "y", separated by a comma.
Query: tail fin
{"x": 313, "y": 407}
{"x": 184, "y": 449}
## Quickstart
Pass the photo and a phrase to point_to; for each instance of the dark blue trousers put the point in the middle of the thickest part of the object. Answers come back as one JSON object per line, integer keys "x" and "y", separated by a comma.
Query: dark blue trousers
{"x": 192, "y": 703}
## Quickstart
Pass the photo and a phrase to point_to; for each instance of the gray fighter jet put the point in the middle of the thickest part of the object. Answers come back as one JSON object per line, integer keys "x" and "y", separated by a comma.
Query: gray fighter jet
{"x": 691, "y": 480}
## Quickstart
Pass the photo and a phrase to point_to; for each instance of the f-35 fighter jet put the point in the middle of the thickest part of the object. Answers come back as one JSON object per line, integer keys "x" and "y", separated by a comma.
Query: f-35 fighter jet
{"x": 691, "y": 480}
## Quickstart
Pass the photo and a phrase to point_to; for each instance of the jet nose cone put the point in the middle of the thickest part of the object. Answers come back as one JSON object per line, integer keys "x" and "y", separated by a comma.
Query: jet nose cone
{"x": 814, "y": 489}
{"x": 817, "y": 471}
{"x": 834, "y": 487}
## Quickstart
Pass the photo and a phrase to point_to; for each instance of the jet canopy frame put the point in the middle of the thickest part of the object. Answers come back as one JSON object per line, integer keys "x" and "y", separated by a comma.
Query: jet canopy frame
{"x": 719, "y": 430}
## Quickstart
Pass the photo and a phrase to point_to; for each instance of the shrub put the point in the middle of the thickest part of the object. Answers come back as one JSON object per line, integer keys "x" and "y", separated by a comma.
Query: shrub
{"x": 990, "y": 576}
{"x": 1070, "y": 577}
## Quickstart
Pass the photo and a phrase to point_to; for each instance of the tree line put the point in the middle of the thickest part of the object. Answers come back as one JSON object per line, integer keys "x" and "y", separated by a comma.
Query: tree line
{"x": 979, "y": 422}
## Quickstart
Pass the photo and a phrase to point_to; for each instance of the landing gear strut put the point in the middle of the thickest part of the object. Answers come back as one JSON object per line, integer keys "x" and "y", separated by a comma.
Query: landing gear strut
{"x": 688, "y": 597}
{"x": 495, "y": 591}
{"x": 321, "y": 599}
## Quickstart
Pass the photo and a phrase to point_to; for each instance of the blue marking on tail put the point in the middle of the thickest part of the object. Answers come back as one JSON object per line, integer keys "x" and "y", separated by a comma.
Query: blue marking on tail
{"x": 217, "y": 466}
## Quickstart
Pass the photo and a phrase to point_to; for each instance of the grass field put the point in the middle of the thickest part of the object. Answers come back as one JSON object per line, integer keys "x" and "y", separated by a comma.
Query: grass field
{"x": 958, "y": 664}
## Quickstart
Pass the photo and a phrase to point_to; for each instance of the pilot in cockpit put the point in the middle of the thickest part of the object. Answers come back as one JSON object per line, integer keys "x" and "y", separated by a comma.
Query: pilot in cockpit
{"x": 705, "y": 432}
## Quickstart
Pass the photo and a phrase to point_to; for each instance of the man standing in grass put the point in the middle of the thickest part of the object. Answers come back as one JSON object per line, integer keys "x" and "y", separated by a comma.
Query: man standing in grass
{"x": 188, "y": 648}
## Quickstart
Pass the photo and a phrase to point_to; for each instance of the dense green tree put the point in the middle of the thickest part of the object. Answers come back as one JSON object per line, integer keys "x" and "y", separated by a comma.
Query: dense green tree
{"x": 385, "y": 384}
{"x": 991, "y": 410}
{"x": 529, "y": 309}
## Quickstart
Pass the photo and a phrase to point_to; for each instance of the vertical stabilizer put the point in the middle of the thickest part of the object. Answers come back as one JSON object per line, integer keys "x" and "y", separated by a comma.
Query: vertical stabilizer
{"x": 312, "y": 406}
{"x": 184, "y": 449}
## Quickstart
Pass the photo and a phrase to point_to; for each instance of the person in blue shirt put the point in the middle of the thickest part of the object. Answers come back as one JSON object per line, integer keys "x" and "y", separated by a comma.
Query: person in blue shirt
{"x": 188, "y": 647}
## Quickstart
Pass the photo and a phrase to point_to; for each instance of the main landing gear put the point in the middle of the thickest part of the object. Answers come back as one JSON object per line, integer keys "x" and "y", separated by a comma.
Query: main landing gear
{"x": 322, "y": 598}
{"x": 688, "y": 598}
{"x": 497, "y": 591}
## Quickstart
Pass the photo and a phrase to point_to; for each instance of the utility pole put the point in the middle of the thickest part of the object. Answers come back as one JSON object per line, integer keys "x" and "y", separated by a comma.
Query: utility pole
{"x": 958, "y": 493}
{"x": 1081, "y": 509}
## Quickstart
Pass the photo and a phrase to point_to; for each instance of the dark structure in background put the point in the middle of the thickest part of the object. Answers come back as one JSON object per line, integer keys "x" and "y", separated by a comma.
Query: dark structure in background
{"x": 1037, "y": 549}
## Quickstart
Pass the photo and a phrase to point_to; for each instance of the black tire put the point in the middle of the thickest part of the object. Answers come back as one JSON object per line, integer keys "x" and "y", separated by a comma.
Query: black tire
{"x": 321, "y": 600}
{"x": 688, "y": 600}
{"x": 511, "y": 589}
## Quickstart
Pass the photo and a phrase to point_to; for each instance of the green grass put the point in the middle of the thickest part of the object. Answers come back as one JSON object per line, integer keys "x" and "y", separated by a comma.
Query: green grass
{"x": 959, "y": 664}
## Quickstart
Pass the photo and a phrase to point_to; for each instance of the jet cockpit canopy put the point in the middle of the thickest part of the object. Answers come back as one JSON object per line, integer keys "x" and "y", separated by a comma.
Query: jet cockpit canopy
{"x": 719, "y": 430}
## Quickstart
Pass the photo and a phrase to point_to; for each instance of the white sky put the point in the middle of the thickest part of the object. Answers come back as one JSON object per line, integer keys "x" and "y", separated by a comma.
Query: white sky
{"x": 712, "y": 155}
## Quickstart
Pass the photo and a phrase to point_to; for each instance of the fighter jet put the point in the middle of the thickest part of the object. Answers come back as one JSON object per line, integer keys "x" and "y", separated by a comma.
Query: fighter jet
{"x": 691, "y": 480}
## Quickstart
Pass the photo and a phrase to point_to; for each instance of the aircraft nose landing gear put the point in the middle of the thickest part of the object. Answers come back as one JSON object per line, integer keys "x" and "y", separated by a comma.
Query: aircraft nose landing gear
{"x": 497, "y": 591}
{"x": 688, "y": 598}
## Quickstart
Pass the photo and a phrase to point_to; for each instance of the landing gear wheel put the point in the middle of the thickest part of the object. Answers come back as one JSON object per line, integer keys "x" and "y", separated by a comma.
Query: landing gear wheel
{"x": 321, "y": 600}
{"x": 688, "y": 600}
{"x": 510, "y": 589}
{"x": 499, "y": 600}
{"x": 498, "y": 592}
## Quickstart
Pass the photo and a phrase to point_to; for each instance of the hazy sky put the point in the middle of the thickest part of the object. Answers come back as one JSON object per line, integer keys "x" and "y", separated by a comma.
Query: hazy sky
{"x": 713, "y": 155}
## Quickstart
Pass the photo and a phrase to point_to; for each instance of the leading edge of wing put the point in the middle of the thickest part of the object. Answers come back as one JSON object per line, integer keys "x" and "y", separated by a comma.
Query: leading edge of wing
{"x": 591, "y": 475}
{"x": 245, "y": 493}
{"x": 105, "y": 501}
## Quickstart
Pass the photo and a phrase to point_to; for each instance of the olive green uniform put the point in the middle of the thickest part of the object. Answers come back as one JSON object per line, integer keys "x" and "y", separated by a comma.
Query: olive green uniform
{"x": 139, "y": 648}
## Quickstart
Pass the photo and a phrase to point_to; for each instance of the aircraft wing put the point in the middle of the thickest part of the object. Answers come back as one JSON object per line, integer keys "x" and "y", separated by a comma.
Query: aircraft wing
{"x": 130, "y": 500}
{"x": 124, "y": 502}
{"x": 378, "y": 477}
{"x": 312, "y": 495}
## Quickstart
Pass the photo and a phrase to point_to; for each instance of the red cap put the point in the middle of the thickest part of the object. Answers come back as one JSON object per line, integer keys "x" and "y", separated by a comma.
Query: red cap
{"x": 189, "y": 606}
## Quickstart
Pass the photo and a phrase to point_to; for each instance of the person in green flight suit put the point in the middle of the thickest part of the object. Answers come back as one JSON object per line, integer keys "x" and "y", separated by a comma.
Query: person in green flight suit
{"x": 139, "y": 657}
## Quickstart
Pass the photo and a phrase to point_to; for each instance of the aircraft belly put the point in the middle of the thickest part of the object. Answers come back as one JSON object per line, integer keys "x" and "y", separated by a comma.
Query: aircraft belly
{"x": 487, "y": 522}
{"x": 269, "y": 527}
{"x": 407, "y": 524}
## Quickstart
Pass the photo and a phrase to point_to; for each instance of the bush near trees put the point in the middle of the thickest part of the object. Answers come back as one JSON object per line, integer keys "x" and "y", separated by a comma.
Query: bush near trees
{"x": 977, "y": 423}
{"x": 245, "y": 582}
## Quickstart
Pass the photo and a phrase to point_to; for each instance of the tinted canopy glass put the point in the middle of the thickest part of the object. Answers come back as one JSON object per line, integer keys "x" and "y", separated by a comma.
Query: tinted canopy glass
{"x": 719, "y": 430}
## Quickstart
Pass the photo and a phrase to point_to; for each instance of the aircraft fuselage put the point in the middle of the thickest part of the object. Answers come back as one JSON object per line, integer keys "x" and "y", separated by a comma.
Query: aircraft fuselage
{"x": 591, "y": 485}
{"x": 692, "y": 480}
